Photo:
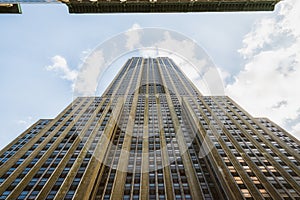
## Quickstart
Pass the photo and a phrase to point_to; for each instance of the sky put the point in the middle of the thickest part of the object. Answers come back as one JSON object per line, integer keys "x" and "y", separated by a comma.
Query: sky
{"x": 45, "y": 51}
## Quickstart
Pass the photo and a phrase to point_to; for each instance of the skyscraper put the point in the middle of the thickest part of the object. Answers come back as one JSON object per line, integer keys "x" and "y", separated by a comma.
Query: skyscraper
{"x": 152, "y": 135}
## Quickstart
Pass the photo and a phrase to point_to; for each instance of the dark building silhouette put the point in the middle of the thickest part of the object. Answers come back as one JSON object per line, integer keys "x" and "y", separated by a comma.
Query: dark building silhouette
{"x": 148, "y": 6}
{"x": 162, "y": 6}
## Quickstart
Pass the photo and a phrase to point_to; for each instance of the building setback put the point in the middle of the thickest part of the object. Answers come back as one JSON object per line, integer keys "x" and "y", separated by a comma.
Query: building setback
{"x": 152, "y": 135}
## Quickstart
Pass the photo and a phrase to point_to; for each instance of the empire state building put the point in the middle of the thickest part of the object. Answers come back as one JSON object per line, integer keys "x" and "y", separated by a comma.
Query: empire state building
{"x": 152, "y": 135}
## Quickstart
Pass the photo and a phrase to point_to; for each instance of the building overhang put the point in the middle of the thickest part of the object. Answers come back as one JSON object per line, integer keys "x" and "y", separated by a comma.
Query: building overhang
{"x": 171, "y": 6}
{"x": 10, "y": 8}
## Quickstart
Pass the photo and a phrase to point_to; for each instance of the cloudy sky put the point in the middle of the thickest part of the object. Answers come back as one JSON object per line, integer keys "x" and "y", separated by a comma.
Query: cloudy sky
{"x": 43, "y": 53}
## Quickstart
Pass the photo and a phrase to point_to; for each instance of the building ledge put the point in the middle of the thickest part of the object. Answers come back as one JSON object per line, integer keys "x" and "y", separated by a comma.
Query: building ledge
{"x": 168, "y": 6}
{"x": 7, "y": 8}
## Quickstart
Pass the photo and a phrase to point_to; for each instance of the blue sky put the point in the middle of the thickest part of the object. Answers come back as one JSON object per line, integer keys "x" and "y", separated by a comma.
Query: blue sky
{"x": 257, "y": 54}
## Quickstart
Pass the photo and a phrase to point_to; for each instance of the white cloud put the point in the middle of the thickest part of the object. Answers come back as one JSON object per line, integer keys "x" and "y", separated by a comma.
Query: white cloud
{"x": 277, "y": 31}
{"x": 60, "y": 66}
{"x": 96, "y": 62}
{"x": 84, "y": 82}
{"x": 267, "y": 86}
{"x": 22, "y": 122}
{"x": 296, "y": 130}
{"x": 224, "y": 74}
{"x": 87, "y": 80}
{"x": 133, "y": 36}
{"x": 25, "y": 122}
{"x": 259, "y": 37}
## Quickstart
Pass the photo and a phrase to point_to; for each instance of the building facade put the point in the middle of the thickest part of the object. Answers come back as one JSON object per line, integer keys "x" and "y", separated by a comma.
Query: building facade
{"x": 152, "y": 135}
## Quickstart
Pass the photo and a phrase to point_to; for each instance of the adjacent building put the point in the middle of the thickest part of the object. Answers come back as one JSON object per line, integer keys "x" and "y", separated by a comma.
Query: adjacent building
{"x": 148, "y": 6}
{"x": 152, "y": 135}
{"x": 168, "y": 6}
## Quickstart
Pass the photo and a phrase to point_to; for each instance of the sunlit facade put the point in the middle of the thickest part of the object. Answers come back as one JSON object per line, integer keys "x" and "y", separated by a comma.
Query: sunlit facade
{"x": 152, "y": 135}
